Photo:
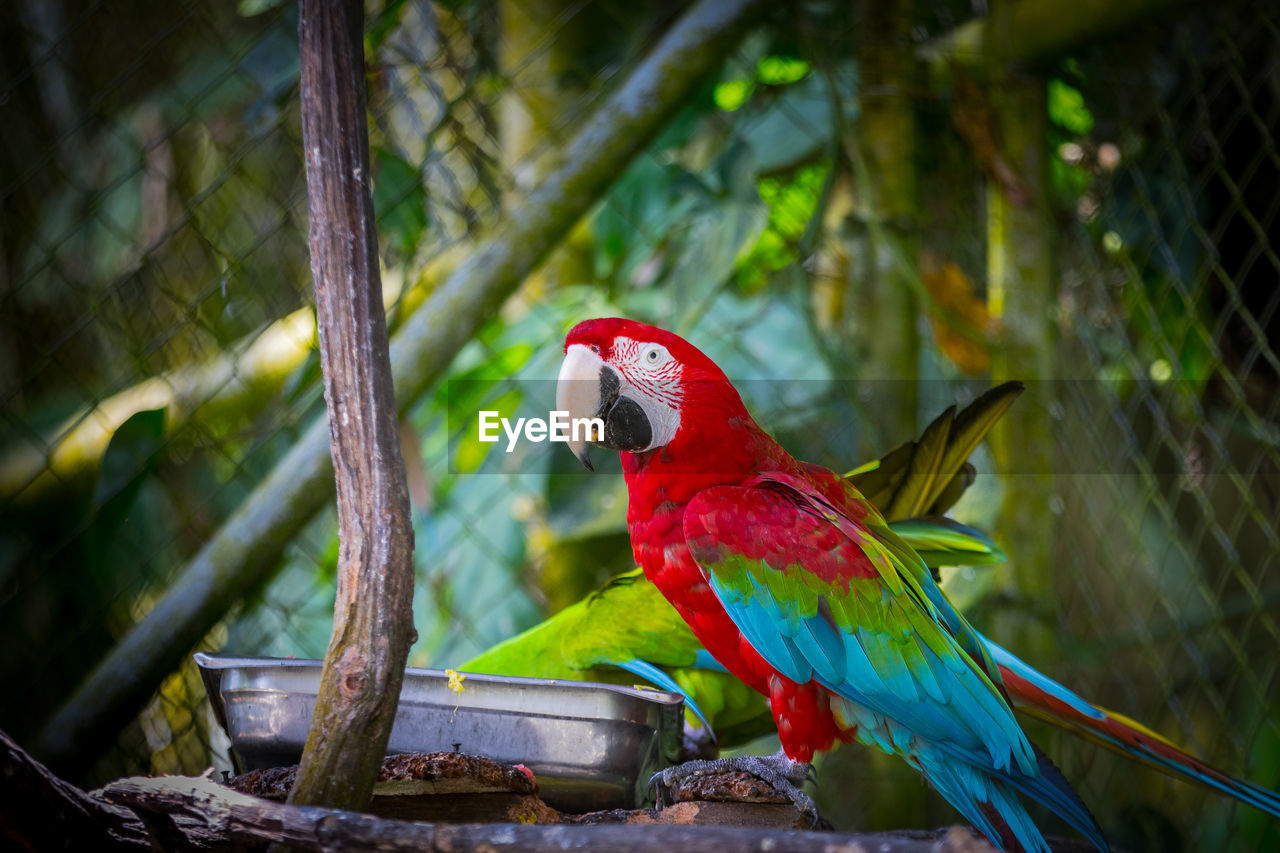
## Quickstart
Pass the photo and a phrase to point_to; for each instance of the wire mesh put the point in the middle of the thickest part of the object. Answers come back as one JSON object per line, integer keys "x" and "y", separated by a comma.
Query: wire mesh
{"x": 157, "y": 354}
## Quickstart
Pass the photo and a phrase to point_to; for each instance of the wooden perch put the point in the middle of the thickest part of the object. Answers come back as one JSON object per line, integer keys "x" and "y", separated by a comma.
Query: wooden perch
{"x": 245, "y": 820}
{"x": 373, "y": 613}
{"x": 246, "y": 550}
{"x": 41, "y": 812}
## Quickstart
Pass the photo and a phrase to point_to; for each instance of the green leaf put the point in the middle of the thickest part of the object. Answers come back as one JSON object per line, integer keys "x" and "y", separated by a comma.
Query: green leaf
{"x": 730, "y": 95}
{"x": 781, "y": 70}
{"x": 1067, "y": 109}
{"x": 399, "y": 201}
{"x": 129, "y": 458}
{"x": 130, "y": 454}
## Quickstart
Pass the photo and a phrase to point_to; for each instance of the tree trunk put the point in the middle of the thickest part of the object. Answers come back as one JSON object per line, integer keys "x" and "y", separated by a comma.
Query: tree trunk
{"x": 373, "y": 614}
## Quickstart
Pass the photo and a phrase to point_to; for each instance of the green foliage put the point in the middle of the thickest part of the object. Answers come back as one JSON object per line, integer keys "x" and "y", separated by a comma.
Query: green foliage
{"x": 730, "y": 95}
{"x": 1067, "y": 108}
{"x": 781, "y": 70}
{"x": 400, "y": 202}
{"x": 130, "y": 457}
{"x": 792, "y": 205}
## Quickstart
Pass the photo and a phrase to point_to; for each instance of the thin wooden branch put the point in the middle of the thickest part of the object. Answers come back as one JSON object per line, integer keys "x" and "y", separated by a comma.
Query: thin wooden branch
{"x": 246, "y": 549}
{"x": 373, "y": 613}
{"x": 222, "y": 812}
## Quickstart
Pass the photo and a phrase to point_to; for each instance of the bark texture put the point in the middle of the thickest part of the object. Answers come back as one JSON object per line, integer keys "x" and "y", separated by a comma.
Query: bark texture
{"x": 373, "y": 613}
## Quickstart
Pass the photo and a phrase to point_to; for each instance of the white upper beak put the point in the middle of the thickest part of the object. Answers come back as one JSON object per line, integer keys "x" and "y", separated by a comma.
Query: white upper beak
{"x": 578, "y": 391}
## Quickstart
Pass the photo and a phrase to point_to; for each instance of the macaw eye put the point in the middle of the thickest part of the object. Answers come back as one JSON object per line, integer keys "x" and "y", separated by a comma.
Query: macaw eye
{"x": 654, "y": 355}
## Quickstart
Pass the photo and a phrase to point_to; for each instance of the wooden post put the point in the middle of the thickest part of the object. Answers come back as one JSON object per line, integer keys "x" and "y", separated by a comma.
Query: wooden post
{"x": 373, "y": 614}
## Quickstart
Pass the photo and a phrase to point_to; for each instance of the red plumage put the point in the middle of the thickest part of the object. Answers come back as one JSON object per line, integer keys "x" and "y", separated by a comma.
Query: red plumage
{"x": 722, "y": 447}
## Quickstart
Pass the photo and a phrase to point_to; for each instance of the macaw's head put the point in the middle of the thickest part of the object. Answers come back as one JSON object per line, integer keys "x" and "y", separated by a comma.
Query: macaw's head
{"x": 652, "y": 388}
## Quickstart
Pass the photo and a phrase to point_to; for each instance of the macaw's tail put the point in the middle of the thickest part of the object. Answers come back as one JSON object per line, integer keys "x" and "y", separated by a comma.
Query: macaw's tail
{"x": 1040, "y": 696}
{"x": 989, "y": 798}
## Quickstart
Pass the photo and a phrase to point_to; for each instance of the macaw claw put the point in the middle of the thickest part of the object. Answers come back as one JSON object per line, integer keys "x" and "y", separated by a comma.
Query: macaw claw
{"x": 784, "y": 775}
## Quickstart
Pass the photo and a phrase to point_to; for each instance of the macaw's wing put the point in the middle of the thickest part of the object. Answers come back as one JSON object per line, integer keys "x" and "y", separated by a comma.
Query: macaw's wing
{"x": 928, "y": 475}
{"x": 824, "y": 597}
{"x": 942, "y": 541}
{"x": 629, "y": 616}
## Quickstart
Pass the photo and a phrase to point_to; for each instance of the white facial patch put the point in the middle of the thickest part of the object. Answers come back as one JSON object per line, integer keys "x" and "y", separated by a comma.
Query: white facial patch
{"x": 655, "y": 379}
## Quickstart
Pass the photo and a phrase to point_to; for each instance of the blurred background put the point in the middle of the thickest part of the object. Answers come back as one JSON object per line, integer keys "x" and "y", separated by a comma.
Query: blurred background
{"x": 874, "y": 209}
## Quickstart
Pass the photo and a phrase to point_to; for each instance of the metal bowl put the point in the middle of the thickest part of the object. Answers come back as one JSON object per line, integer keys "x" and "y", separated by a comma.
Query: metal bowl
{"x": 591, "y": 746}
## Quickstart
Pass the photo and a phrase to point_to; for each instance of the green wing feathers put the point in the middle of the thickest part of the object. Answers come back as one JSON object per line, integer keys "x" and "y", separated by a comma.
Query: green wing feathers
{"x": 927, "y": 476}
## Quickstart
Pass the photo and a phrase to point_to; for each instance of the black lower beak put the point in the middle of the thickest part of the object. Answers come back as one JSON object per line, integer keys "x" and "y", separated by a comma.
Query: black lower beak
{"x": 626, "y": 426}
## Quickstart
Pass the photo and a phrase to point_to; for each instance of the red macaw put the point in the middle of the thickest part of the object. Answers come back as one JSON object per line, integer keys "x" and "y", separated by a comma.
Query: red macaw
{"x": 795, "y": 584}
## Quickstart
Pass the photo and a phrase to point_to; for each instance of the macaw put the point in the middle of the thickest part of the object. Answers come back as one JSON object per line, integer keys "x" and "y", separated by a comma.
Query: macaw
{"x": 627, "y": 629}
{"x": 797, "y": 585}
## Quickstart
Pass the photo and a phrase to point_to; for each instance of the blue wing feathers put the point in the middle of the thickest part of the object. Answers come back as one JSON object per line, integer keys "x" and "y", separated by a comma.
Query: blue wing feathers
{"x": 822, "y": 647}
{"x": 917, "y": 682}
{"x": 704, "y": 660}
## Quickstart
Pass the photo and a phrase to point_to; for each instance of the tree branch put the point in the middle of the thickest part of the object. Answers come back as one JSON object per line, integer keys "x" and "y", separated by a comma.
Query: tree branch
{"x": 1029, "y": 31}
{"x": 373, "y": 613}
{"x": 39, "y": 811}
{"x": 222, "y": 812}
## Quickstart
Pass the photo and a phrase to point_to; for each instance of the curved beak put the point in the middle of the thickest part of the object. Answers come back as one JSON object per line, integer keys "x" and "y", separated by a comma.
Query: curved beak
{"x": 589, "y": 388}
{"x": 578, "y": 392}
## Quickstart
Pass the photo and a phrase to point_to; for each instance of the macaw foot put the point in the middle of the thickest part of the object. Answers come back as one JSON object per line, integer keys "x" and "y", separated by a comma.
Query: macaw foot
{"x": 783, "y": 774}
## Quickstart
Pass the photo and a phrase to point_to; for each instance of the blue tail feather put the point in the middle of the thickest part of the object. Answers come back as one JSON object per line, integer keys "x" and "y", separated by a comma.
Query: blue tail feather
{"x": 658, "y": 678}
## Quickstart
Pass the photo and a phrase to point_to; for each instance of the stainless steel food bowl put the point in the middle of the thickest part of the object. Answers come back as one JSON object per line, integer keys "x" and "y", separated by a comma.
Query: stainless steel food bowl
{"x": 591, "y": 746}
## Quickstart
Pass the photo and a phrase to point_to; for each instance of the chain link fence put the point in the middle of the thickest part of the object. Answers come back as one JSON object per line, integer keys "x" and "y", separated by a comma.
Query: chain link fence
{"x": 158, "y": 359}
